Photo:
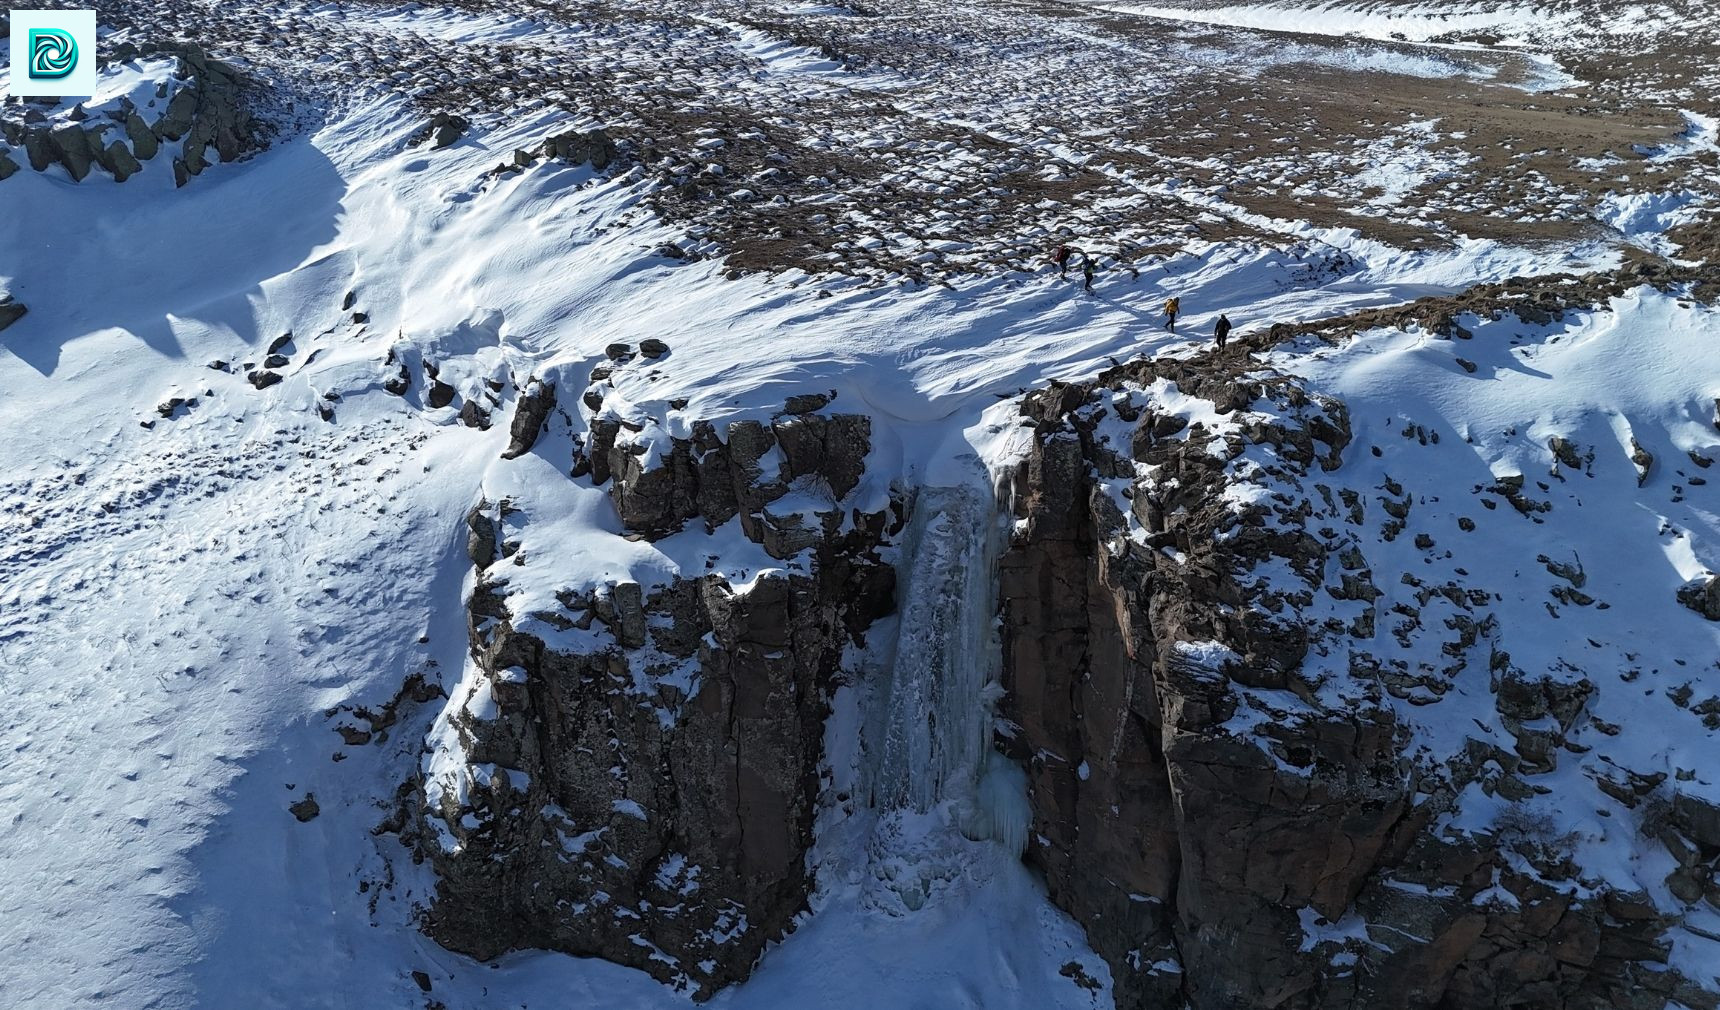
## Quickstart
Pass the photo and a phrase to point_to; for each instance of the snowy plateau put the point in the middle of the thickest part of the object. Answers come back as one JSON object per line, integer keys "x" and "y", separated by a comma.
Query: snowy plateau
{"x": 611, "y": 504}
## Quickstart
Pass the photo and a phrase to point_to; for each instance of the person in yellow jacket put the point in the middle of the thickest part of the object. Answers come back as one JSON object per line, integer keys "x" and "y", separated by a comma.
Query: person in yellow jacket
{"x": 1173, "y": 305}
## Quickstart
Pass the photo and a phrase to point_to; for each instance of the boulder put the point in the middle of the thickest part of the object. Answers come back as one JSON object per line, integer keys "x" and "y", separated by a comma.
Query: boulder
{"x": 37, "y": 149}
{"x": 11, "y": 310}
{"x": 446, "y": 129}
{"x": 1703, "y": 596}
{"x": 71, "y": 148}
{"x": 143, "y": 141}
{"x": 175, "y": 122}
{"x": 806, "y": 403}
{"x": 120, "y": 162}
{"x": 474, "y": 416}
{"x": 1643, "y": 460}
{"x": 530, "y": 412}
{"x": 651, "y": 347}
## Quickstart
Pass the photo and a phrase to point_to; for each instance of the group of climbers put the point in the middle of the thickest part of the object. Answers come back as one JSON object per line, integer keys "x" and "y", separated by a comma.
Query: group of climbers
{"x": 1061, "y": 256}
{"x": 1061, "y": 259}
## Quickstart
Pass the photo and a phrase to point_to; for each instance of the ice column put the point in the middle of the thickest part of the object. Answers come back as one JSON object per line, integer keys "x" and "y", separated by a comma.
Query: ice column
{"x": 930, "y": 740}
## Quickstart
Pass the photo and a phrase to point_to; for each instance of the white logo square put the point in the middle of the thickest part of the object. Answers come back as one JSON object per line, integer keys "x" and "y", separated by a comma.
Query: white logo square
{"x": 53, "y": 54}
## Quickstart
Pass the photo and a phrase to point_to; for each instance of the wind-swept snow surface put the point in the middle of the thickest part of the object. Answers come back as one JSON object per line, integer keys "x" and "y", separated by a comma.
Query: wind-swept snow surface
{"x": 232, "y": 588}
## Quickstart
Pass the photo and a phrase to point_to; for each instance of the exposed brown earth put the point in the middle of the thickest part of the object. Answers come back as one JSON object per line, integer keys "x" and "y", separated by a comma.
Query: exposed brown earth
{"x": 962, "y": 138}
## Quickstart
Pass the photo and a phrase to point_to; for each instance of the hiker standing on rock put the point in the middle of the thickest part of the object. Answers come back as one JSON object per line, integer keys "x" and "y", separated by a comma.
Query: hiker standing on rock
{"x": 1222, "y": 330}
{"x": 1173, "y": 305}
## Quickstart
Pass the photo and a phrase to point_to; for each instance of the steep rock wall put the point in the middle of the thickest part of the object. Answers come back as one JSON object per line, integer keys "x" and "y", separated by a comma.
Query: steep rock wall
{"x": 642, "y": 787}
{"x": 1233, "y": 828}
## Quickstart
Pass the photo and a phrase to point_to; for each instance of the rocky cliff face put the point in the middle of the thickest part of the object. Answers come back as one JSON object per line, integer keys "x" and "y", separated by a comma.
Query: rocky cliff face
{"x": 1229, "y": 624}
{"x": 634, "y": 775}
{"x": 1226, "y": 794}
{"x": 205, "y": 107}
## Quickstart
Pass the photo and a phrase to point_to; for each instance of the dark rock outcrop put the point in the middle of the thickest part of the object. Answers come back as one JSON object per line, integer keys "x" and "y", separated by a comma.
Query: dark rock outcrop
{"x": 1701, "y": 595}
{"x": 1198, "y": 807}
{"x": 444, "y": 130}
{"x": 11, "y": 310}
{"x": 210, "y": 111}
{"x": 646, "y": 796}
{"x": 579, "y": 147}
{"x": 536, "y": 400}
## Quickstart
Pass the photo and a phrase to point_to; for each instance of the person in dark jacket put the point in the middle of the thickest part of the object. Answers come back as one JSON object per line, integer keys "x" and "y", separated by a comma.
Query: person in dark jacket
{"x": 1061, "y": 259}
{"x": 1222, "y": 330}
{"x": 1087, "y": 272}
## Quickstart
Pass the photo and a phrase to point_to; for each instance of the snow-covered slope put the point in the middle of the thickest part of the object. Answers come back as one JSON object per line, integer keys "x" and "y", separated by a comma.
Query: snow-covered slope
{"x": 229, "y": 587}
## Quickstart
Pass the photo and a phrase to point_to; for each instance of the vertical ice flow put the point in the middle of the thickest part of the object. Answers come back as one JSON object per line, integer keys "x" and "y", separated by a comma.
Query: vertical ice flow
{"x": 931, "y": 734}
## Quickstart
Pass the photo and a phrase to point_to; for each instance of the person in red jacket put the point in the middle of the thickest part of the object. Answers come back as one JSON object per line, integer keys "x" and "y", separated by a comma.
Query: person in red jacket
{"x": 1061, "y": 259}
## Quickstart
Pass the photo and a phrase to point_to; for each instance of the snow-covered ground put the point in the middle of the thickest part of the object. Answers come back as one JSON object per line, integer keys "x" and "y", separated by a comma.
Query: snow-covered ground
{"x": 1583, "y": 584}
{"x": 194, "y": 598}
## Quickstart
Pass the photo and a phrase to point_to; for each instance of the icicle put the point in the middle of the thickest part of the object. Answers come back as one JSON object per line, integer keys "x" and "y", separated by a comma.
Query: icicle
{"x": 1000, "y": 809}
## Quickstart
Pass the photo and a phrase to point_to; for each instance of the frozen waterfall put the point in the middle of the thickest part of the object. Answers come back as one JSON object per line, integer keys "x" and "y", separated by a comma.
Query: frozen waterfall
{"x": 930, "y": 734}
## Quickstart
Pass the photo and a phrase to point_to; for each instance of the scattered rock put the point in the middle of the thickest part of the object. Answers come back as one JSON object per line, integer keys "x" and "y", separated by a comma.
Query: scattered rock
{"x": 305, "y": 809}
{"x": 651, "y": 347}
{"x": 440, "y": 395}
{"x": 618, "y": 351}
{"x": 264, "y": 379}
